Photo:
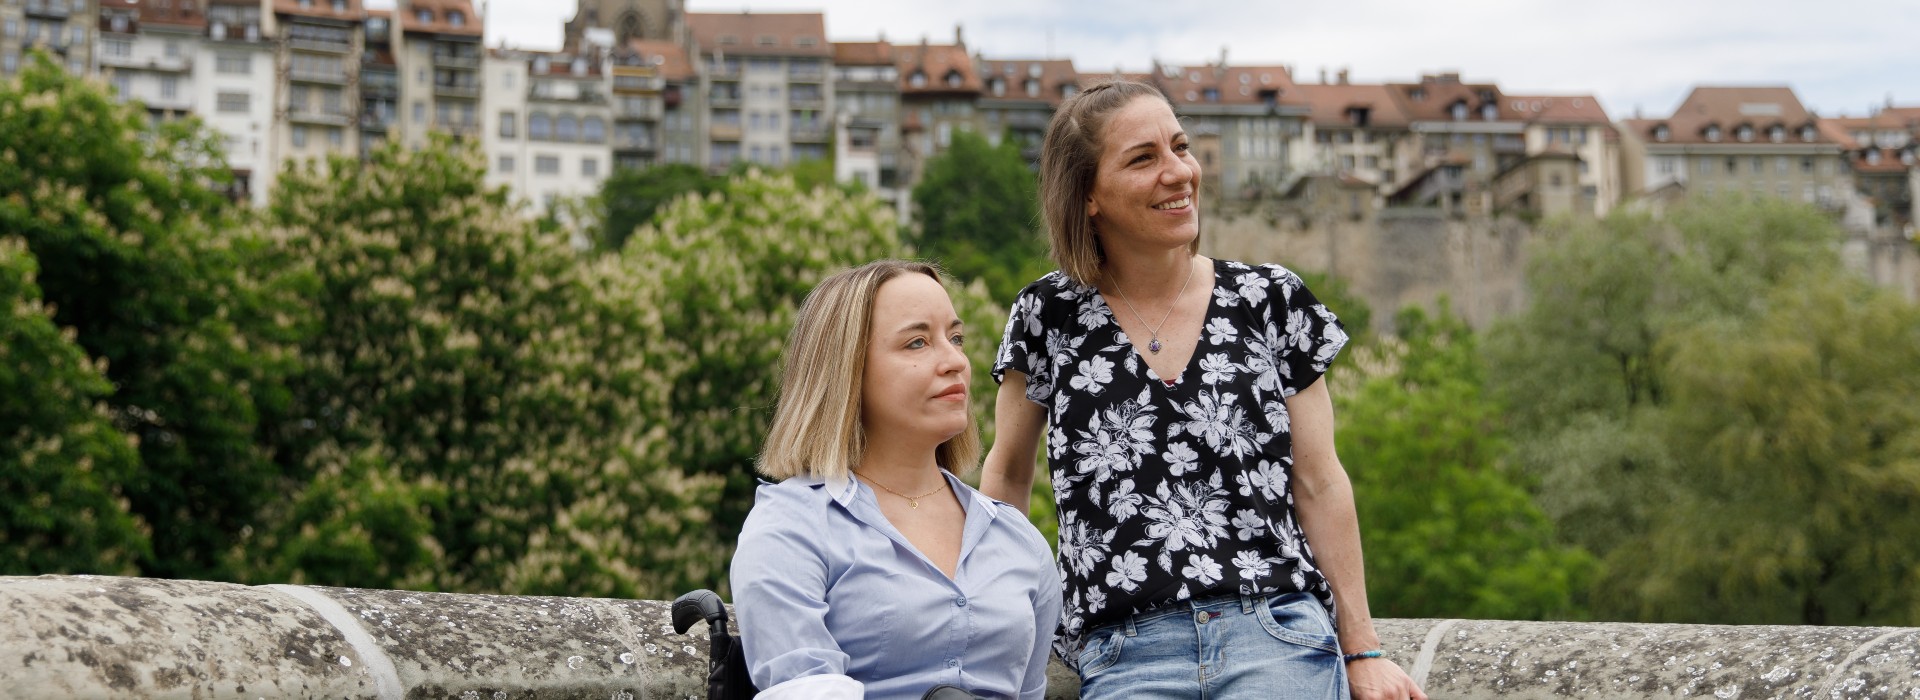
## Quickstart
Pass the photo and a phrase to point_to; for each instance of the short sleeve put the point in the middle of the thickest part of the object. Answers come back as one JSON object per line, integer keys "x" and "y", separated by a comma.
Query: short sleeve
{"x": 1023, "y": 346}
{"x": 1305, "y": 335}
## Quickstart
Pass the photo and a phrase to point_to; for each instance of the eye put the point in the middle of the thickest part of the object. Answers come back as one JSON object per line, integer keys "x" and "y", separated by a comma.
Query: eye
{"x": 1142, "y": 158}
{"x": 1182, "y": 147}
{"x": 958, "y": 339}
{"x": 916, "y": 343}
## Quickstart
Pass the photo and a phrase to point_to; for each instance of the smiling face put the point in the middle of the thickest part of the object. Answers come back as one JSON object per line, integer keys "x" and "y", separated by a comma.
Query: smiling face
{"x": 1147, "y": 183}
{"x": 915, "y": 384}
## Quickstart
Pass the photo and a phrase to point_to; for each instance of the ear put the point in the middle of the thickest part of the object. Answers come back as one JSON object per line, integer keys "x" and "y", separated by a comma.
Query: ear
{"x": 1093, "y": 208}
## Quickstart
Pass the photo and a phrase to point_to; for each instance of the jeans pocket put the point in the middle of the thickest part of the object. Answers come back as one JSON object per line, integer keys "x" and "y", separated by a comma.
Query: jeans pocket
{"x": 1101, "y": 653}
{"x": 1298, "y": 618}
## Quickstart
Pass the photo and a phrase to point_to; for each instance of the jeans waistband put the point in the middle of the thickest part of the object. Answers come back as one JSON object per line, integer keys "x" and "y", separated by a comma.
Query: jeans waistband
{"x": 1247, "y": 602}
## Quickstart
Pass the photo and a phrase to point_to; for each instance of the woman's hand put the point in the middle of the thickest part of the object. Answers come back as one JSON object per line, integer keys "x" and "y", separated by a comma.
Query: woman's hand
{"x": 1381, "y": 679}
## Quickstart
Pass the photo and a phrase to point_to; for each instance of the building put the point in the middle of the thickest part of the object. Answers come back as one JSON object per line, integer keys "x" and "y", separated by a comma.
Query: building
{"x": 866, "y": 96}
{"x": 1253, "y": 113}
{"x": 1722, "y": 140}
{"x": 767, "y": 86}
{"x": 654, "y": 118}
{"x": 438, "y": 59}
{"x": 1574, "y": 125}
{"x": 147, "y": 54}
{"x": 551, "y": 117}
{"x": 379, "y": 81}
{"x": 63, "y": 28}
{"x": 1883, "y": 153}
{"x": 318, "y": 64}
{"x": 628, "y": 20}
{"x": 1463, "y": 134}
{"x": 939, "y": 94}
{"x": 1018, "y": 97}
{"x": 235, "y": 90}
{"x": 1353, "y": 130}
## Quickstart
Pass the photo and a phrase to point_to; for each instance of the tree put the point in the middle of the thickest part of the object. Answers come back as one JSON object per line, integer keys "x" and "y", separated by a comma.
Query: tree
{"x": 477, "y": 408}
{"x": 630, "y": 197}
{"x": 978, "y": 215}
{"x": 142, "y": 259}
{"x": 63, "y": 466}
{"x": 1450, "y": 530}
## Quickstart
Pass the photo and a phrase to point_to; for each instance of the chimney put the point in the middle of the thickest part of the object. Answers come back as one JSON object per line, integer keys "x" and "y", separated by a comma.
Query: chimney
{"x": 1343, "y": 76}
{"x": 1323, "y": 75}
{"x": 959, "y": 38}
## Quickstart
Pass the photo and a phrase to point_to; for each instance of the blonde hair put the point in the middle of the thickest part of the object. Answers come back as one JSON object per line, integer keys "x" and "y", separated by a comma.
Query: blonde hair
{"x": 816, "y": 422}
{"x": 1069, "y": 165}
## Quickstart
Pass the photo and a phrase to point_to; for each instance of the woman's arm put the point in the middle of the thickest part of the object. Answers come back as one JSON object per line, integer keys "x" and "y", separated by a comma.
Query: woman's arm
{"x": 1007, "y": 475}
{"x": 780, "y": 593}
{"x": 1324, "y": 497}
{"x": 1046, "y": 620}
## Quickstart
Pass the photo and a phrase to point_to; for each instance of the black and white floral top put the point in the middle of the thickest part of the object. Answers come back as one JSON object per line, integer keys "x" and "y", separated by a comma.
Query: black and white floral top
{"x": 1181, "y": 491}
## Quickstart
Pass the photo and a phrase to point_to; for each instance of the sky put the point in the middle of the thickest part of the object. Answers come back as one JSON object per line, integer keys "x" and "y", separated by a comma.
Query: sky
{"x": 1843, "y": 57}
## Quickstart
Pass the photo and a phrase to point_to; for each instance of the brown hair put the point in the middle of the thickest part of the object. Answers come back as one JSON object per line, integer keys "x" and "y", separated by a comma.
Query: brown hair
{"x": 1069, "y": 164}
{"x": 816, "y": 422}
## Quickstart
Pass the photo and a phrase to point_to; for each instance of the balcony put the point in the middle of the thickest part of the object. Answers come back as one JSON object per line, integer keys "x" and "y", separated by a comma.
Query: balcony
{"x": 629, "y": 84}
{"x": 243, "y": 33}
{"x": 630, "y": 143}
{"x": 458, "y": 128}
{"x": 1509, "y": 144}
{"x": 809, "y": 133}
{"x": 448, "y": 59}
{"x": 376, "y": 90}
{"x": 318, "y": 117}
{"x": 645, "y": 109}
{"x": 724, "y": 132}
{"x": 48, "y": 9}
{"x": 177, "y": 64}
{"x": 314, "y": 76}
{"x": 723, "y": 99}
{"x": 177, "y": 103}
{"x": 591, "y": 97}
{"x": 377, "y": 122}
{"x": 807, "y": 102}
{"x": 320, "y": 45}
{"x": 465, "y": 91}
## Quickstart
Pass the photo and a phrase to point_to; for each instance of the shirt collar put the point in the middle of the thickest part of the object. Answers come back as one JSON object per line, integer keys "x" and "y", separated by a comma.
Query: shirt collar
{"x": 842, "y": 489}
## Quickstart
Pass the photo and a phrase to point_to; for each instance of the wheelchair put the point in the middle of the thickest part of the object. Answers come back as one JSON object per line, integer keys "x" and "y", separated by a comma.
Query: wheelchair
{"x": 727, "y": 677}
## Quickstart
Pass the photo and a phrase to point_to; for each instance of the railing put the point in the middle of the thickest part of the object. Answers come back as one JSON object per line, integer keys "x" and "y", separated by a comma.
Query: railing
{"x": 321, "y": 45}
{"x": 648, "y": 109}
{"x": 809, "y": 133}
{"x": 320, "y": 117}
{"x": 725, "y": 132}
{"x": 342, "y": 642}
{"x": 807, "y": 102}
{"x": 723, "y": 99}
{"x": 377, "y": 122}
{"x": 309, "y": 76}
{"x": 50, "y": 9}
{"x": 629, "y": 143}
{"x": 462, "y": 91}
{"x": 586, "y": 97}
{"x": 444, "y": 59}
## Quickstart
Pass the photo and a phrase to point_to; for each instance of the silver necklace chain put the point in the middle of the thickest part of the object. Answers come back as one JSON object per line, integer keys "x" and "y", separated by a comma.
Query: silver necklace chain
{"x": 1153, "y": 345}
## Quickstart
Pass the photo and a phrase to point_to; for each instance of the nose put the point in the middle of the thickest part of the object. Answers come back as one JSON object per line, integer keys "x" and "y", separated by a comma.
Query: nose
{"x": 1179, "y": 170}
{"x": 953, "y": 361}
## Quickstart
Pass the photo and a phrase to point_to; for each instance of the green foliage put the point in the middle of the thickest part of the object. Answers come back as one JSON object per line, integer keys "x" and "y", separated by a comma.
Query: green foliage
{"x": 979, "y": 217}
{"x": 62, "y": 463}
{"x": 630, "y": 197}
{"x": 139, "y": 256}
{"x": 1708, "y": 402}
{"x": 474, "y": 406}
{"x": 1449, "y": 530}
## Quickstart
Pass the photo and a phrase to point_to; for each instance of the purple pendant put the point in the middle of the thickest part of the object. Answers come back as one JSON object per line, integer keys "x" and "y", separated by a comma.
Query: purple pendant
{"x": 1154, "y": 346}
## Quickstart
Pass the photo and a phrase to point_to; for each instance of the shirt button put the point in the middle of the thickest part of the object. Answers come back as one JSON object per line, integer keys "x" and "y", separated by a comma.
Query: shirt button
{"x": 960, "y": 601}
{"x": 951, "y": 663}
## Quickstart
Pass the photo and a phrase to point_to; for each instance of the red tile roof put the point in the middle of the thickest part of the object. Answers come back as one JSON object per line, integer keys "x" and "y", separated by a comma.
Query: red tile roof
{"x": 863, "y": 53}
{"x": 1432, "y": 99}
{"x": 1330, "y": 104}
{"x": 438, "y": 15}
{"x": 761, "y": 33}
{"x": 669, "y": 57}
{"x": 1729, "y": 108}
{"x": 1558, "y": 109}
{"x": 1230, "y": 85}
{"x": 935, "y": 62}
{"x": 352, "y": 11}
{"x": 1052, "y": 75}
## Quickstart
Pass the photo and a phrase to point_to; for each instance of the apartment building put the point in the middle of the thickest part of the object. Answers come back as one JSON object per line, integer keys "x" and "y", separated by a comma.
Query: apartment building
{"x": 379, "y": 109}
{"x": 1577, "y": 126}
{"x": 866, "y": 96}
{"x": 628, "y": 20}
{"x": 319, "y": 64}
{"x": 1883, "y": 153}
{"x": 552, "y": 118}
{"x": 63, "y": 28}
{"x": 235, "y": 88}
{"x": 147, "y": 54}
{"x": 1463, "y": 134}
{"x": 939, "y": 94}
{"x": 439, "y": 56}
{"x": 1018, "y": 97}
{"x": 646, "y": 76}
{"x": 767, "y": 86}
{"x": 1358, "y": 131}
{"x": 1753, "y": 140}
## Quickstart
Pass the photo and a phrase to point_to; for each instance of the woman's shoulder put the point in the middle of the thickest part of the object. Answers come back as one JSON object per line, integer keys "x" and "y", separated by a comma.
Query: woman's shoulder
{"x": 1010, "y": 519}
{"x": 793, "y": 502}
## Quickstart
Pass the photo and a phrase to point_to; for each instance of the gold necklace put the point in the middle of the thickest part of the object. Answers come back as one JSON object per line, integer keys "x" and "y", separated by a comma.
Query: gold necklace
{"x": 911, "y": 500}
{"x": 1154, "y": 344}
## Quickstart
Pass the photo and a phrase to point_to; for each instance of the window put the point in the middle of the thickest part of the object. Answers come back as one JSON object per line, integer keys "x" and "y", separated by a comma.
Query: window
{"x": 122, "y": 84}
{"x": 1459, "y": 111}
{"x": 339, "y": 5}
{"x": 1662, "y": 133}
{"x": 1777, "y": 133}
{"x": 456, "y": 18}
{"x": 1782, "y": 164}
{"x": 1733, "y": 165}
{"x": 566, "y": 128}
{"x": 419, "y": 112}
{"x": 539, "y": 127}
{"x": 506, "y": 165}
{"x": 1706, "y": 166}
{"x": 593, "y": 130}
{"x": 509, "y": 125}
{"x": 1806, "y": 164}
{"x": 589, "y": 167}
{"x": 423, "y": 16}
{"x": 1666, "y": 166}
{"x": 1744, "y": 133}
{"x": 232, "y": 63}
{"x": 953, "y": 78}
{"x": 1757, "y": 166}
{"x": 1489, "y": 111}
{"x": 546, "y": 165}
{"x": 231, "y": 102}
{"x": 299, "y": 137}
{"x": 1807, "y": 133}
{"x": 918, "y": 79}
{"x": 117, "y": 48}
{"x": 169, "y": 87}
{"x": 1712, "y": 133}
{"x": 336, "y": 137}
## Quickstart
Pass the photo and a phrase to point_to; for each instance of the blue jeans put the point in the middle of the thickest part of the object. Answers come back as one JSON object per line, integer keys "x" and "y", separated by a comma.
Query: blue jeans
{"x": 1237, "y": 646}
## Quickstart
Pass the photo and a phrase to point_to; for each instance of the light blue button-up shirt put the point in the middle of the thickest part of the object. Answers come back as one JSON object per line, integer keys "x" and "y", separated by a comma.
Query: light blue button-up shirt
{"x": 824, "y": 584}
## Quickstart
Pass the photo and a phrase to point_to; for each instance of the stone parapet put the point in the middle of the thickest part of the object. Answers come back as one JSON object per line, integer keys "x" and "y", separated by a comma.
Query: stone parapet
{"x": 90, "y": 636}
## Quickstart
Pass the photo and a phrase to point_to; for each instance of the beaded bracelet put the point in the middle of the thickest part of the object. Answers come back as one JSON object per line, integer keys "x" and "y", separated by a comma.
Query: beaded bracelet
{"x": 1350, "y": 658}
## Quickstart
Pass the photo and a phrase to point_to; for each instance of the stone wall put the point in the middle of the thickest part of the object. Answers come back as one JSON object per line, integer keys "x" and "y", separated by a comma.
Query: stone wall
{"x": 91, "y": 637}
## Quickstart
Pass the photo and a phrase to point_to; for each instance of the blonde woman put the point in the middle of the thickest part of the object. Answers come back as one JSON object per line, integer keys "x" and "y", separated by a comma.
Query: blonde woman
{"x": 1207, "y": 529}
{"x": 871, "y": 570}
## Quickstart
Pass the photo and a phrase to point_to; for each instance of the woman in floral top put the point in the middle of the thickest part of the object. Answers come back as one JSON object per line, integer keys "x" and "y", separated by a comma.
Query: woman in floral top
{"x": 1206, "y": 527}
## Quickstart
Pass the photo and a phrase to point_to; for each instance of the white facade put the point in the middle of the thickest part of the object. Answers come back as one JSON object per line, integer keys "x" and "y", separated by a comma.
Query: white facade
{"x": 154, "y": 67}
{"x": 233, "y": 90}
{"x": 547, "y": 135}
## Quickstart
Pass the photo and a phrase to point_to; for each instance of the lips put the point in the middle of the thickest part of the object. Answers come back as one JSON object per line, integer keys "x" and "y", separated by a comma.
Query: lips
{"x": 957, "y": 391}
{"x": 1180, "y": 202}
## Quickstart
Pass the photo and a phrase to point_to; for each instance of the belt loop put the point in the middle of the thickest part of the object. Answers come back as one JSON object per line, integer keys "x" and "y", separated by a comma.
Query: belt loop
{"x": 1131, "y": 630}
{"x": 1246, "y": 603}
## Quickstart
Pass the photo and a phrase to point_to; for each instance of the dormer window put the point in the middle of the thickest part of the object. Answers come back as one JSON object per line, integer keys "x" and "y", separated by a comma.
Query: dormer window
{"x": 1418, "y": 94}
{"x": 1033, "y": 88}
{"x": 1211, "y": 94}
{"x": 579, "y": 66}
{"x": 1744, "y": 133}
{"x": 918, "y": 79}
{"x": 456, "y": 18}
{"x": 1807, "y": 133}
{"x": 1489, "y": 111}
{"x": 1067, "y": 91}
{"x": 1661, "y": 133}
{"x": 1033, "y": 70}
{"x": 423, "y": 16}
{"x": 1459, "y": 111}
{"x": 1907, "y": 157}
{"x": 539, "y": 65}
{"x": 767, "y": 40}
{"x": 999, "y": 86}
{"x": 805, "y": 42}
{"x": 1712, "y": 132}
{"x": 1873, "y": 156}
{"x": 729, "y": 40}
{"x": 954, "y": 79}
{"x": 1777, "y": 133}
{"x": 339, "y": 6}
{"x": 1486, "y": 95}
